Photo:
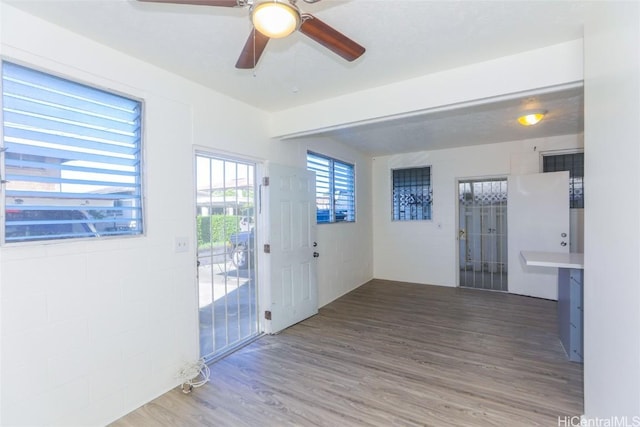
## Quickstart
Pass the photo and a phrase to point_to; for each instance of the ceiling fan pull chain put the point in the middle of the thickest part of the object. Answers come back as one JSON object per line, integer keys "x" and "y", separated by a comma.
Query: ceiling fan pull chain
{"x": 253, "y": 69}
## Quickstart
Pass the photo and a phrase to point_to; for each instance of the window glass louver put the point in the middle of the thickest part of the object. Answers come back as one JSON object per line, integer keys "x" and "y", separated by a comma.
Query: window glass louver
{"x": 72, "y": 159}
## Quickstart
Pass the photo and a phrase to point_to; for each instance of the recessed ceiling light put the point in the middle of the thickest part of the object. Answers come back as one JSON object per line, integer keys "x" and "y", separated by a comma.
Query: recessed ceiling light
{"x": 531, "y": 118}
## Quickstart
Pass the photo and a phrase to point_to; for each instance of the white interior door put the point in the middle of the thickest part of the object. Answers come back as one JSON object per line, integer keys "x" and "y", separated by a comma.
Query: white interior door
{"x": 292, "y": 216}
{"x": 538, "y": 212}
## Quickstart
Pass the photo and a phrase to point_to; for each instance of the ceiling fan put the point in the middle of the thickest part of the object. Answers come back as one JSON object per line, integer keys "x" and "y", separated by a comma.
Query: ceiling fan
{"x": 277, "y": 19}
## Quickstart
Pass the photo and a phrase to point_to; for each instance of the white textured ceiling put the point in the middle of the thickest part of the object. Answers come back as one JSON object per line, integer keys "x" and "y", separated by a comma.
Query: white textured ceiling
{"x": 480, "y": 123}
{"x": 404, "y": 39}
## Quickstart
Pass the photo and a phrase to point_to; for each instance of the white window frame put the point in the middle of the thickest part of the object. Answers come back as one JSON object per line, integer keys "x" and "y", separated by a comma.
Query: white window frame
{"x": 324, "y": 202}
{"x": 72, "y": 159}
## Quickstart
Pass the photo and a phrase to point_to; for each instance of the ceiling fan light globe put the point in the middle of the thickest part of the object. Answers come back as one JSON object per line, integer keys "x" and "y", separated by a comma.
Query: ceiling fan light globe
{"x": 274, "y": 19}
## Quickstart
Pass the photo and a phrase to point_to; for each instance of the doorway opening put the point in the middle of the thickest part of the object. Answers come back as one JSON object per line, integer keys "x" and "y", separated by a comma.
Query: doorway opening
{"x": 226, "y": 230}
{"x": 482, "y": 234}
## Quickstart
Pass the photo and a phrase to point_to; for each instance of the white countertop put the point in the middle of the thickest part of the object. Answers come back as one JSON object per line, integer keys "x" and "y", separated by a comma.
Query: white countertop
{"x": 553, "y": 259}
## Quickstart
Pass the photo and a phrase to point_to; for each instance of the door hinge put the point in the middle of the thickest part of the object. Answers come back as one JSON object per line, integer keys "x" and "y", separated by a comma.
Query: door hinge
{"x": 265, "y": 181}
{"x": 267, "y": 315}
{"x": 267, "y": 248}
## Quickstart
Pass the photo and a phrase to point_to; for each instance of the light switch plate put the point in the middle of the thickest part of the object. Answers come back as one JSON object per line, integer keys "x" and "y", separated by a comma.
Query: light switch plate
{"x": 182, "y": 244}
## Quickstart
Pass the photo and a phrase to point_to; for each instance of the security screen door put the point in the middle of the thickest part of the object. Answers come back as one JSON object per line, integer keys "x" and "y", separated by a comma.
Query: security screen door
{"x": 482, "y": 235}
{"x": 226, "y": 229}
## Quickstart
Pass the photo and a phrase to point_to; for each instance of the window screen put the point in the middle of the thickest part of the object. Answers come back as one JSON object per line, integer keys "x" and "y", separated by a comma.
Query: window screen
{"x": 71, "y": 163}
{"x": 574, "y": 163}
{"x": 412, "y": 195}
{"x": 335, "y": 188}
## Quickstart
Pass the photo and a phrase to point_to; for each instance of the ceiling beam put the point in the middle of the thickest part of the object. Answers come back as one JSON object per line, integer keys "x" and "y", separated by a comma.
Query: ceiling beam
{"x": 554, "y": 66}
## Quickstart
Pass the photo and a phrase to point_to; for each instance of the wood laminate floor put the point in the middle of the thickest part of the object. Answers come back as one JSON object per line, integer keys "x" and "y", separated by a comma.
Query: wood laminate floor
{"x": 392, "y": 354}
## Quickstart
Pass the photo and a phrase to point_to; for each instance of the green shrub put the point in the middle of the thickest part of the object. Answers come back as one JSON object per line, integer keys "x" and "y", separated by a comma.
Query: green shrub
{"x": 216, "y": 228}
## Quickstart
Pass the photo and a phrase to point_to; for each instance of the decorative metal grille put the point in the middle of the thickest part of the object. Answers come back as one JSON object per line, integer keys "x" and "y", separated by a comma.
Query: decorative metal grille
{"x": 412, "y": 194}
{"x": 574, "y": 163}
{"x": 483, "y": 192}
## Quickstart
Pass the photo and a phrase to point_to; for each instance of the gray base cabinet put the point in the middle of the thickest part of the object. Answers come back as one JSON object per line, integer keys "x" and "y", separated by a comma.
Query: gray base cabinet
{"x": 570, "y": 311}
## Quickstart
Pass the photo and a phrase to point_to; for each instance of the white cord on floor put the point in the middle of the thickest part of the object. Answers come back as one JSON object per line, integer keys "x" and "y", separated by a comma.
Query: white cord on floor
{"x": 194, "y": 375}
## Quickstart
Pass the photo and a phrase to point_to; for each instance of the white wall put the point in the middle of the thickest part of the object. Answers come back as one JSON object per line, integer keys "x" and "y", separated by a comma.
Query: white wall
{"x": 91, "y": 330}
{"x": 612, "y": 226}
{"x": 425, "y": 251}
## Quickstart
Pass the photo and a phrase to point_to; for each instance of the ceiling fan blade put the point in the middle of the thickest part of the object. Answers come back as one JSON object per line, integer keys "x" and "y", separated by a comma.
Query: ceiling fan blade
{"x": 252, "y": 50}
{"x": 220, "y": 3}
{"x": 330, "y": 38}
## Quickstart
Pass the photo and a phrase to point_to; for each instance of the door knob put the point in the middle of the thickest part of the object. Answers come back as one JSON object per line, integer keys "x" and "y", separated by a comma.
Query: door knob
{"x": 316, "y": 254}
{"x": 563, "y": 235}
{"x": 563, "y": 243}
{"x": 315, "y": 244}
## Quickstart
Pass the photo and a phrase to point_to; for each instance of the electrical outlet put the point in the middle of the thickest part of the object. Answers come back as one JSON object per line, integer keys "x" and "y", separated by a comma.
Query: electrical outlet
{"x": 182, "y": 244}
